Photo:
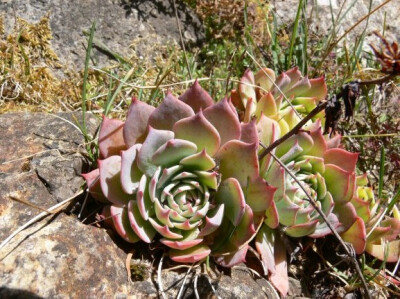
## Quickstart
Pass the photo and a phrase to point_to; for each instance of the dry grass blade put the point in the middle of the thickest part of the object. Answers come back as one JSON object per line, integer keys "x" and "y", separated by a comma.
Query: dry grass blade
{"x": 159, "y": 279}
{"x": 128, "y": 265}
{"x": 184, "y": 282}
{"x": 181, "y": 38}
{"x": 58, "y": 207}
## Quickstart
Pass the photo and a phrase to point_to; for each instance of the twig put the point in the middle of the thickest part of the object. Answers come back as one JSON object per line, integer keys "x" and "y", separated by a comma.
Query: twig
{"x": 347, "y": 247}
{"x": 39, "y": 217}
{"x": 181, "y": 37}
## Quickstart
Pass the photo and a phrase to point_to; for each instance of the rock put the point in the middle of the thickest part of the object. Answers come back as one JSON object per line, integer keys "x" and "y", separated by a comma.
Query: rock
{"x": 40, "y": 163}
{"x": 65, "y": 259}
{"x": 321, "y": 21}
{"x": 118, "y": 23}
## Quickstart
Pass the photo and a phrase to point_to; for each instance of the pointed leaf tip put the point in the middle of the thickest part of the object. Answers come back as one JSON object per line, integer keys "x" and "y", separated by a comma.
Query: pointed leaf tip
{"x": 196, "y": 97}
{"x": 111, "y": 139}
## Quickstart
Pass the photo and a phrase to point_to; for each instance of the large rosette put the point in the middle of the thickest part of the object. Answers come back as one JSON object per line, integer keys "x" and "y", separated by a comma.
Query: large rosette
{"x": 186, "y": 171}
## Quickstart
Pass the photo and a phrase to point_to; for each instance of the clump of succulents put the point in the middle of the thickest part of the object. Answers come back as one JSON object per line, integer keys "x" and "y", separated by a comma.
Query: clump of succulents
{"x": 185, "y": 174}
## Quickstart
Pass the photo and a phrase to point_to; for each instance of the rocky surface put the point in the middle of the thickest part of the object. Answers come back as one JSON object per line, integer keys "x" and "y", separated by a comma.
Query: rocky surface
{"x": 320, "y": 17}
{"x": 59, "y": 257}
{"x": 40, "y": 163}
{"x": 118, "y": 24}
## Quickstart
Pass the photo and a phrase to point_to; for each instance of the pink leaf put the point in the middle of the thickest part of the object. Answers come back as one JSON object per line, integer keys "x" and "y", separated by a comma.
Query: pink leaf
{"x": 342, "y": 158}
{"x": 224, "y": 119}
{"x": 110, "y": 180}
{"x": 111, "y": 140}
{"x": 136, "y": 122}
{"x": 200, "y": 131}
{"x": 230, "y": 260}
{"x": 197, "y": 98}
{"x": 93, "y": 182}
{"x": 238, "y": 160}
{"x": 169, "y": 112}
{"x": 190, "y": 255}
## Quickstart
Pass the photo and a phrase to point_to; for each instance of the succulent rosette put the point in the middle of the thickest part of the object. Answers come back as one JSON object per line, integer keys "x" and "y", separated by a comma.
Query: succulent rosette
{"x": 326, "y": 173}
{"x": 285, "y": 99}
{"x": 186, "y": 171}
{"x": 382, "y": 231}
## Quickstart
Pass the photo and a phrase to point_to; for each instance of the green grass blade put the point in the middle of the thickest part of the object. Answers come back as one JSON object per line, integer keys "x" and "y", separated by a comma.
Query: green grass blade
{"x": 110, "y": 101}
{"x": 85, "y": 79}
{"x": 294, "y": 34}
{"x": 381, "y": 172}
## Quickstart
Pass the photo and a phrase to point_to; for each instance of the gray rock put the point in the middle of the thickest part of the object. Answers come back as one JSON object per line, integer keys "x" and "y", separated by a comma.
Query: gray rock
{"x": 118, "y": 23}
{"x": 40, "y": 163}
{"x": 65, "y": 259}
{"x": 321, "y": 22}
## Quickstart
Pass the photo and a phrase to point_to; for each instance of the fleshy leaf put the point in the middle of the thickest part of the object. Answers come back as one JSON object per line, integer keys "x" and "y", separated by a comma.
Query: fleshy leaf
{"x": 213, "y": 220}
{"x": 181, "y": 245}
{"x": 121, "y": 224}
{"x": 340, "y": 183}
{"x": 356, "y": 235}
{"x": 130, "y": 173}
{"x": 197, "y": 98}
{"x": 169, "y": 112}
{"x": 111, "y": 139}
{"x": 198, "y": 161}
{"x": 247, "y": 89}
{"x": 272, "y": 216}
{"x": 302, "y": 229}
{"x": 259, "y": 195}
{"x": 323, "y": 229}
{"x": 154, "y": 140}
{"x": 141, "y": 227}
{"x": 136, "y": 122}
{"x": 379, "y": 250}
{"x": 273, "y": 258}
{"x": 190, "y": 255}
{"x": 224, "y": 119}
{"x": 200, "y": 131}
{"x": 164, "y": 230}
{"x": 265, "y": 78}
{"x": 110, "y": 180}
{"x": 268, "y": 130}
{"x": 231, "y": 195}
{"x": 230, "y": 260}
{"x": 245, "y": 231}
{"x": 342, "y": 158}
{"x": 171, "y": 152}
{"x": 279, "y": 278}
{"x": 93, "y": 183}
{"x": 238, "y": 160}
{"x": 249, "y": 132}
{"x": 267, "y": 106}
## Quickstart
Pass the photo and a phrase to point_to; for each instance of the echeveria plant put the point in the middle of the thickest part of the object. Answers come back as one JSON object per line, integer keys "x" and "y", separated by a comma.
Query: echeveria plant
{"x": 186, "y": 174}
{"x": 285, "y": 99}
{"x": 382, "y": 232}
